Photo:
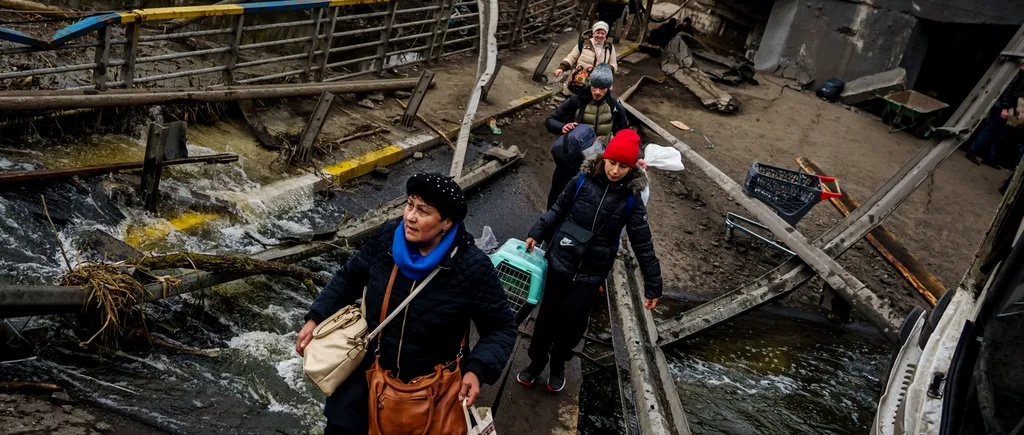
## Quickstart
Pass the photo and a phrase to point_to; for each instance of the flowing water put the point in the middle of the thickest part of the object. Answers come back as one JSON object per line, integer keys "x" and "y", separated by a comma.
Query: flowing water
{"x": 238, "y": 372}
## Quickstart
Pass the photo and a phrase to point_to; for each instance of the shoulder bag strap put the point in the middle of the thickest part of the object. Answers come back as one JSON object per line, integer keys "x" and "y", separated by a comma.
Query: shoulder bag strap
{"x": 387, "y": 295}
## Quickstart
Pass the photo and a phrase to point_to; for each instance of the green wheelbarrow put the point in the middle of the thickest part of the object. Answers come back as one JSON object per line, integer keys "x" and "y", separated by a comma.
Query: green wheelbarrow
{"x": 914, "y": 111}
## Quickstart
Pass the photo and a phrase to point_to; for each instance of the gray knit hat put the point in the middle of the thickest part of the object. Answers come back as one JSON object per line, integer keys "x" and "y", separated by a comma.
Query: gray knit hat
{"x": 602, "y": 76}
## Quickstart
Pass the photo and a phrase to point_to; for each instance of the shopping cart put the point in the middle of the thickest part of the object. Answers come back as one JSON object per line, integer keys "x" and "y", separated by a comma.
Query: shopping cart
{"x": 791, "y": 193}
{"x": 521, "y": 274}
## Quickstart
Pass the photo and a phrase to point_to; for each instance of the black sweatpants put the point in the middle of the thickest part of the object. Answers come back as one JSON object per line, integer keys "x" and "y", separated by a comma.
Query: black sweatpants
{"x": 563, "y": 319}
{"x": 559, "y": 179}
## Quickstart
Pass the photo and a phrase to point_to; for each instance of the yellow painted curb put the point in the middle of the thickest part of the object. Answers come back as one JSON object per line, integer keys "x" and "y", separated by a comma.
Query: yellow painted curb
{"x": 364, "y": 164}
{"x": 136, "y": 236}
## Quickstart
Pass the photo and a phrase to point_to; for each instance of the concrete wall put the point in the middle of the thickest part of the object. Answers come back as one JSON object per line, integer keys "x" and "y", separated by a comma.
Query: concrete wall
{"x": 776, "y": 33}
{"x": 1005, "y": 12}
{"x": 833, "y": 38}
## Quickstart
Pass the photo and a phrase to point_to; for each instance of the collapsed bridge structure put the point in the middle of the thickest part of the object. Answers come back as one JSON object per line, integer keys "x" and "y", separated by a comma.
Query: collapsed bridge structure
{"x": 648, "y": 394}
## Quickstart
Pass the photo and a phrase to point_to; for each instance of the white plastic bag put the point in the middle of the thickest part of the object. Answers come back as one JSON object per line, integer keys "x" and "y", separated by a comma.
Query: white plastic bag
{"x": 664, "y": 158}
{"x": 478, "y": 420}
{"x": 487, "y": 242}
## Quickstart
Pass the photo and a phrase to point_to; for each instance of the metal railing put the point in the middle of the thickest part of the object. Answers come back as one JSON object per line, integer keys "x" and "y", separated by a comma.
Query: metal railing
{"x": 299, "y": 40}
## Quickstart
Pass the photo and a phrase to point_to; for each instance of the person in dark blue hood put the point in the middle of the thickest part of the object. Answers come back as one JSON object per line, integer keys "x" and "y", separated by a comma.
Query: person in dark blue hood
{"x": 567, "y": 153}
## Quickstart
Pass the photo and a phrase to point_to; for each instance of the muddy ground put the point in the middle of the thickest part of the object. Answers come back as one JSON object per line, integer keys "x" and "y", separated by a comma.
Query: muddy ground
{"x": 57, "y": 413}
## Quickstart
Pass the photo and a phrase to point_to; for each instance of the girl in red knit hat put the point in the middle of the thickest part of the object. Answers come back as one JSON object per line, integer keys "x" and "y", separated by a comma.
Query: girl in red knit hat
{"x": 583, "y": 227}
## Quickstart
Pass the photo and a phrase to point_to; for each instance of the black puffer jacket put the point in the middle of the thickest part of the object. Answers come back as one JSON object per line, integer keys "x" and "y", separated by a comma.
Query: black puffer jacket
{"x": 467, "y": 289}
{"x": 600, "y": 207}
{"x": 1013, "y": 91}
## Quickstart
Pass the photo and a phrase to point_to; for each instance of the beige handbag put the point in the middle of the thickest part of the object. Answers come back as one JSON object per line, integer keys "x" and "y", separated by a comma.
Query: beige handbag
{"x": 339, "y": 342}
{"x": 337, "y": 347}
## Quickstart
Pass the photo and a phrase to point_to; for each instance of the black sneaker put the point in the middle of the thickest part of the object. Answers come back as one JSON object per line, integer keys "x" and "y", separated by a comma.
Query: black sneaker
{"x": 529, "y": 376}
{"x": 556, "y": 380}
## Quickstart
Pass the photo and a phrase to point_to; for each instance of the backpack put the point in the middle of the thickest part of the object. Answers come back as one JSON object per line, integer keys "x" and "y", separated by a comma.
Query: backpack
{"x": 579, "y": 80}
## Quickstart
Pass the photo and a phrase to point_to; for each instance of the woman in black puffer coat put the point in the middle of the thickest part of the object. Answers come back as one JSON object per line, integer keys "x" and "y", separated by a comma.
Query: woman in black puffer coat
{"x": 435, "y": 322}
{"x": 602, "y": 199}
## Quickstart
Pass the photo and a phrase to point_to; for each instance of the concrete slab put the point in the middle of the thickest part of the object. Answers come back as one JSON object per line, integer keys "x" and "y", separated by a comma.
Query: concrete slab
{"x": 874, "y": 86}
{"x": 636, "y": 58}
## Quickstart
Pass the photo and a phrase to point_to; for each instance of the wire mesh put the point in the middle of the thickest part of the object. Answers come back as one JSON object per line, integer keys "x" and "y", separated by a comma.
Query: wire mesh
{"x": 516, "y": 283}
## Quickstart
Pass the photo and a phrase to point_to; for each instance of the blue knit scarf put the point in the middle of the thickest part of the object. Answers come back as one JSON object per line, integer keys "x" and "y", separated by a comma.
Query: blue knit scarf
{"x": 411, "y": 262}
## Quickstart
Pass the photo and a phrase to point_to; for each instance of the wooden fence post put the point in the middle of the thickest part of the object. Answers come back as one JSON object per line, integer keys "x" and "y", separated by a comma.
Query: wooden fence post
{"x": 328, "y": 42}
{"x": 314, "y": 41}
{"x": 101, "y": 58}
{"x": 385, "y": 38}
{"x": 152, "y": 166}
{"x": 231, "y": 57}
{"x": 131, "y": 45}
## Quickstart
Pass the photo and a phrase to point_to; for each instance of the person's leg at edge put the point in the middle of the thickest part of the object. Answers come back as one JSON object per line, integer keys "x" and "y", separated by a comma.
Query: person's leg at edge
{"x": 545, "y": 327}
{"x": 984, "y": 146}
{"x": 333, "y": 429}
{"x": 574, "y": 320}
{"x": 559, "y": 179}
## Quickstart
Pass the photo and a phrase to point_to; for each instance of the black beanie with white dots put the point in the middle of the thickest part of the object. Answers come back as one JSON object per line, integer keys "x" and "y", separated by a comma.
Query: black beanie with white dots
{"x": 441, "y": 192}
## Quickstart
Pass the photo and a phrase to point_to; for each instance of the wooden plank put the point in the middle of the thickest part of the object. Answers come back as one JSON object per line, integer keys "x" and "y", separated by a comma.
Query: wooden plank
{"x": 517, "y": 28}
{"x": 411, "y": 110}
{"x": 152, "y": 166}
{"x": 915, "y": 271}
{"x": 877, "y": 311}
{"x": 304, "y": 150}
{"x": 132, "y": 33}
{"x": 231, "y": 57}
{"x": 385, "y": 39}
{"x": 11, "y": 178}
{"x": 101, "y": 58}
{"x": 328, "y": 42}
{"x": 542, "y": 66}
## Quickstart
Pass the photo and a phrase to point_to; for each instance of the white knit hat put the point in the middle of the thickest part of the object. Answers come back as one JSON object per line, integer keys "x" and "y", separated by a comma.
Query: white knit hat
{"x": 600, "y": 25}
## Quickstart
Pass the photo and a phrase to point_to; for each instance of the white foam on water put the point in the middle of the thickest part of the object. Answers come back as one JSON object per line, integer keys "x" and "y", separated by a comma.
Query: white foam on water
{"x": 291, "y": 371}
{"x": 264, "y": 345}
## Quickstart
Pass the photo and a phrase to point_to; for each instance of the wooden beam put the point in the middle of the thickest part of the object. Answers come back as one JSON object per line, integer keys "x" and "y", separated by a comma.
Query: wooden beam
{"x": 11, "y": 178}
{"x": 385, "y": 39}
{"x": 18, "y": 101}
{"x": 328, "y": 42}
{"x": 231, "y": 57}
{"x": 887, "y": 244}
{"x": 101, "y": 58}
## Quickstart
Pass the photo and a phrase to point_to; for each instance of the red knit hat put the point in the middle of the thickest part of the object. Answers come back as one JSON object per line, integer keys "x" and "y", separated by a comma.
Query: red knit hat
{"x": 624, "y": 148}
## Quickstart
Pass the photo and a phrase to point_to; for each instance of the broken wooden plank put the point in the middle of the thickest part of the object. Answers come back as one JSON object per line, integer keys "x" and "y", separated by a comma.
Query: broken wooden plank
{"x": 304, "y": 150}
{"x": 152, "y": 166}
{"x": 10, "y": 178}
{"x": 888, "y": 245}
{"x": 878, "y": 312}
{"x": 21, "y": 101}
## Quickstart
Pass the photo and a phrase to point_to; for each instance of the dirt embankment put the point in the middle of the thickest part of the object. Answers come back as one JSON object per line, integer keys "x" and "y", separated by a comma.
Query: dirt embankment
{"x": 59, "y": 414}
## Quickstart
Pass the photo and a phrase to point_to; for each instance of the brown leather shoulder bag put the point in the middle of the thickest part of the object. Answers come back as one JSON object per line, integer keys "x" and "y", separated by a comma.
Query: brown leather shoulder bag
{"x": 428, "y": 404}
